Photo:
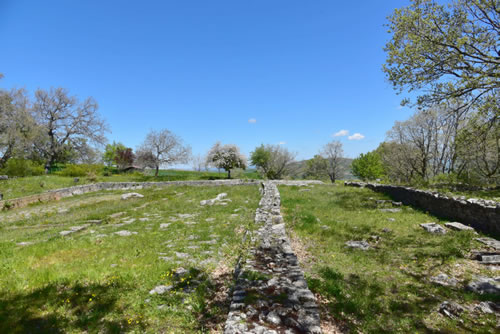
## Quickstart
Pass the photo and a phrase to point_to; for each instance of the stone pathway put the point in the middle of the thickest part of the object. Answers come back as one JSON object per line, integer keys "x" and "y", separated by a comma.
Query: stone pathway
{"x": 271, "y": 294}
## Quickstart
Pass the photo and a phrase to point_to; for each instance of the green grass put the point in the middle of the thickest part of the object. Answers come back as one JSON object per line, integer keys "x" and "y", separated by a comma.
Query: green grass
{"x": 88, "y": 282}
{"x": 25, "y": 186}
{"x": 385, "y": 289}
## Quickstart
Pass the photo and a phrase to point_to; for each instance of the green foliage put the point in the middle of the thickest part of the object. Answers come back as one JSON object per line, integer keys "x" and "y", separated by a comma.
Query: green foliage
{"x": 368, "y": 166}
{"x": 272, "y": 161}
{"x": 260, "y": 157}
{"x": 22, "y": 167}
{"x": 80, "y": 170}
{"x": 317, "y": 167}
{"x": 110, "y": 153}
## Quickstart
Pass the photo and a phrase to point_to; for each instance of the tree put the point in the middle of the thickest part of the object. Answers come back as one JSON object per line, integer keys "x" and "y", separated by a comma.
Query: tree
{"x": 333, "y": 154}
{"x": 272, "y": 161}
{"x": 226, "y": 157}
{"x": 124, "y": 158}
{"x": 316, "y": 167}
{"x": 451, "y": 52}
{"x": 17, "y": 127}
{"x": 65, "y": 121}
{"x": 199, "y": 163}
{"x": 109, "y": 156}
{"x": 163, "y": 148}
{"x": 368, "y": 166}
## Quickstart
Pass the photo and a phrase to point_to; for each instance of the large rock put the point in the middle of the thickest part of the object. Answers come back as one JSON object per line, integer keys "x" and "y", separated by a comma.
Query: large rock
{"x": 490, "y": 242}
{"x": 458, "y": 226}
{"x": 4, "y": 177}
{"x": 363, "y": 245}
{"x": 160, "y": 289}
{"x": 433, "y": 228}
{"x": 482, "y": 285}
{"x": 125, "y": 233}
{"x": 444, "y": 280}
{"x": 131, "y": 195}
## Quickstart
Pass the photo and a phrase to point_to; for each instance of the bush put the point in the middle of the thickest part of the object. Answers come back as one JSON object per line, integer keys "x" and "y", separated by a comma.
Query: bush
{"x": 80, "y": 170}
{"x": 22, "y": 167}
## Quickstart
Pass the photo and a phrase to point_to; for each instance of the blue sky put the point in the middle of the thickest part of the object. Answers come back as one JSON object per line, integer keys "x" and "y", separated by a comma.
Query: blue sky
{"x": 303, "y": 70}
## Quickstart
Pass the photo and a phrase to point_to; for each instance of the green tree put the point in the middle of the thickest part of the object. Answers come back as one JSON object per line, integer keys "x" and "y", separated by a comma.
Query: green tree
{"x": 272, "y": 161}
{"x": 317, "y": 167}
{"x": 451, "y": 52}
{"x": 368, "y": 166}
{"x": 110, "y": 153}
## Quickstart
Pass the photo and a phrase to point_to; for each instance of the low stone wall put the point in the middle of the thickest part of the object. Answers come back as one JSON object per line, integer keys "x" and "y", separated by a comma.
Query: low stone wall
{"x": 483, "y": 215}
{"x": 271, "y": 294}
{"x": 57, "y": 194}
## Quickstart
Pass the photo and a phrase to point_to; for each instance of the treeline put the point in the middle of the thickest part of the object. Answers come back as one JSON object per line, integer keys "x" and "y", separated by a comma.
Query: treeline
{"x": 449, "y": 53}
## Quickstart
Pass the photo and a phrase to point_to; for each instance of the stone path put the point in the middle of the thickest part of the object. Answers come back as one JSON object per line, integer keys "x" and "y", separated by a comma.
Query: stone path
{"x": 271, "y": 294}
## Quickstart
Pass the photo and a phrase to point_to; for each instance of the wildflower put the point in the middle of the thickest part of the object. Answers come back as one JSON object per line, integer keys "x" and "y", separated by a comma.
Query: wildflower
{"x": 90, "y": 299}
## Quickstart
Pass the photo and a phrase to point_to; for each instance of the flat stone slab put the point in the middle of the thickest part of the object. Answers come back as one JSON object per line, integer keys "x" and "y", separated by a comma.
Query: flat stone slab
{"x": 363, "y": 245}
{"x": 125, "y": 233}
{"x": 482, "y": 285}
{"x": 433, "y": 228}
{"x": 164, "y": 226}
{"x": 131, "y": 195}
{"x": 458, "y": 226}
{"x": 390, "y": 210}
{"x": 24, "y": 243}
{"x": 444, "y": 280}
{"x": 490, "y": 242}
{"x": 160, "y": 289}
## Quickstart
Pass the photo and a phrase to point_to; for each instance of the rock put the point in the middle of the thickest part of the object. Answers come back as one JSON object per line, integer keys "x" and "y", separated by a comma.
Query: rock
{"x": 444, "y": 280}
{"x": 24, "y": 243}
{"x": 144, "y": 219}
{"x": 117, "y": 214}
{"x": 210, "y": 220}
{"x": 125, "y": 233}
{"x": 76, "y": 179}
{"x": 219, "y": 198}
{"x": 4, "y": 177}
{"x": 131, "y": 195}
{"x": 386, "y": 230}
{"x": 113, "y": 265}
{"x": 391, "y": 219}
{"x": 303, "y": 190}
{"x": 94, "y": 221}
{"x": 433, "y": 228}
{"x": 180, "y": 272}
{"x": 181, "y": 255}
{"x": 487, "y": 257}
{"x": 273, "y": 318}
{"x": 490, "y": 242}
{"x": 396, "y": 203}
{"x": 458, "y": 226}
{"x": 165, "y": 258}
{"x": 487, "y": 307}
{"x": 451, "y": 309}
{"x": 164, "y": 226}
{"x": 390, "y": 210}
{"x": 160, "y": 289}
{"x": 73, "y": 229}
{"x": 363, "y": 245}
{"x": 482, "y": 285}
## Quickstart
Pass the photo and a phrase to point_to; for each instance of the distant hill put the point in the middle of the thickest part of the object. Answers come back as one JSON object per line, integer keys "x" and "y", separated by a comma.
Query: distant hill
{"x": 299, "y": 169}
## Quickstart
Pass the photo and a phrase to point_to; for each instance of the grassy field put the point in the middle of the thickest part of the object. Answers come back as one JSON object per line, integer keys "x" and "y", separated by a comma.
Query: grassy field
{"x": 95, "y": 280}
{"x": 25, "y": 186}
{"x": 386, "y": 289}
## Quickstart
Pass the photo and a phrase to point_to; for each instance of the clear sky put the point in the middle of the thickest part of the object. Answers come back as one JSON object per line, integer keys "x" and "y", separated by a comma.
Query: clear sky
{"x": 239, "y": 71}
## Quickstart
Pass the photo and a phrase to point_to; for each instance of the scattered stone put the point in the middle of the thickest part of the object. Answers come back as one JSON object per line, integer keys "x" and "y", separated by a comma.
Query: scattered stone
{"x": 325, "y": 227}
{"x": 129, "y": 221}
{"x": 190, "y": 223}
{"x": 4, "y": 177}
{"x": 186, "y": 215}
{"x": 490, "y": 242}
{"x": 116, "y": 215}
{"x": 390, "y": 210}
{"x": 161, "y": 289}
{"x": 220, "y": 198}
{"x": 363, "y": 245}
{"x": 62, "y": 210}
{"x": 433, "y": 228}
{"x": 125, "y": 233}
{"x": 180, "y": 272}
{"x": 451, "y": 309}
{"x": 76, "y": 179}
{"x": 94, "y": 221}
{"x": 192, "y": 237}
{"x": 272, "y": 317}
{"x": 101, "y": 235}
{"x": 73, "y": 229}
{"x": 386, "y": 230}
{"x": 24, "y": 243}
{"x": 444, "y": 280}
{"x": 144, "y": 219}
{"x": 131, "y": 195}
{"x": 391, "y": 219}
{"x": 304, "y": 189}
{"x": 181, "y": 255}
{"x": 165, "y": 258}
{"x": 487, "y": 307}
{"x": 458, "y": 226}
{"x": 234, "y": 215}
{"x": 396, "y": 203}
{"x": 113, "y": 265}
{"x": 482, "y": 285}
{"x": 210, "y": 220}
{"x": 164, "y": 226}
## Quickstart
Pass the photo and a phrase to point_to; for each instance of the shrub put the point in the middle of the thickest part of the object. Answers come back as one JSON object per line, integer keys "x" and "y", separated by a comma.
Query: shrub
{"x": 80, "y": 170}
{"x": 22, "y": 167}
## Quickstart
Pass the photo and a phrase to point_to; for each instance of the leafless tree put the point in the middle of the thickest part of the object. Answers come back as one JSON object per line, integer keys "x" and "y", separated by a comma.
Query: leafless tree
{"x": 17, "y": 127}
{"x": 65, "y": 121}
{"x": 163, "y": 148}
{"x": 199, "y": 163}
{"x": 333, "y": 153}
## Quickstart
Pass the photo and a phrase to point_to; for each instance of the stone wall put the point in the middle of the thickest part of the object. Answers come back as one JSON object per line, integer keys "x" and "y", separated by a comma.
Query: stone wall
{"x": 483, "y": 215}
{"x": 57, "y": 194}
{"x": 271, "y": 294}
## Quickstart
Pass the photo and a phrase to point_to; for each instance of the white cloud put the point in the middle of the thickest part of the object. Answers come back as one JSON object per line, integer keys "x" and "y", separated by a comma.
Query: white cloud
{"x": 252, "y": 121}
{"x": 341, "y": 133}
{"x": 282, "y": 143}
{"x": 356, "y": 136}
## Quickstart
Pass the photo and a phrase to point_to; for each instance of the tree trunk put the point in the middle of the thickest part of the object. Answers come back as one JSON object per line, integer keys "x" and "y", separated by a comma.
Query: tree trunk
{"x": 157, "y": 170}
{"x": 228, "y": 173}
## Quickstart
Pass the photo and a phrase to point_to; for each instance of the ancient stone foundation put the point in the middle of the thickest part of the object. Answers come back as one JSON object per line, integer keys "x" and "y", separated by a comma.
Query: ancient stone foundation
{"x": 483, "y": 215}
{"x": 271, "y": 294}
